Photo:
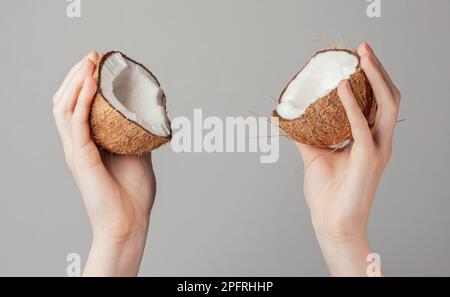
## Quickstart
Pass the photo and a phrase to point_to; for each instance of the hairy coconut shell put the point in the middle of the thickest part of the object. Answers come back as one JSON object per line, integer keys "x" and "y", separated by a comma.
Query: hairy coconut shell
{"x": 325, "y": 123}
{"x": 112, "y": 131}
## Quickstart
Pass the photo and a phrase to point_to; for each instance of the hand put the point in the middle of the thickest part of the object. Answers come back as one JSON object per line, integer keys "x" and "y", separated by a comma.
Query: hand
{"x": 340, "y": 186}
{"x": 118, "y": 191}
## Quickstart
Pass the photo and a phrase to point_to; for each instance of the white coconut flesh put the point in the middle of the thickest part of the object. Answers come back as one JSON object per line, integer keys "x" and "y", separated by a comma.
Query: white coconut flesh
{"x": 319, "y": 77}
{"x": 135, "y": 93}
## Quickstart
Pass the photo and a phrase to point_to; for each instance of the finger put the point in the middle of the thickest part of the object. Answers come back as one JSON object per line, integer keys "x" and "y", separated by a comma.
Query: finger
{"x": 70, "y": 95}
{"x": 382, "y": 91}
{"x": 360, "y": 128}
{"x": 91, "y": 56}
{"x": 387, "y": 113}
{"x": 63, "y": 111}
{"x": 62, "y": 121}
{"x": 64, "y": 134}
{"x": 365, "y": 49}
{"x": 373, "y": 114}
{"x": 80, "y": 118}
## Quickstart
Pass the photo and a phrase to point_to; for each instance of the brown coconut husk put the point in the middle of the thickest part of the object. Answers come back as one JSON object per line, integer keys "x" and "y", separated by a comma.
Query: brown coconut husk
{"x": 112, "y": 131}
{"x": 325, "y": 123}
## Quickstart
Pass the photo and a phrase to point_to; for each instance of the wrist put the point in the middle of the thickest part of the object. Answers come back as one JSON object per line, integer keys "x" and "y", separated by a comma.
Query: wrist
{"x": 120, "y": 230}
{"x": 120, "y": 241}
{"x": 345, "y": 255}
{"x": 116, "y": 255}
{"x": 343, "y": 247}
{"x": 122, "y": 236}
{"x": 354, "y": 238}
{"x": 340, "y": 231}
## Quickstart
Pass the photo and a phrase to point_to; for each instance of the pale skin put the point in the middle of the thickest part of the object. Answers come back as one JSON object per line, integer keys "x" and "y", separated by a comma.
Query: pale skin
{"x": 119, "y": 191}
{"x": 340, "y": 186}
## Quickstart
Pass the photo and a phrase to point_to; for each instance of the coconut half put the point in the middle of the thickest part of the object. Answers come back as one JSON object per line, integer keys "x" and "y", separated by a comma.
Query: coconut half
{"x": 309, "y": 108}
{"x": 128, "y": 115}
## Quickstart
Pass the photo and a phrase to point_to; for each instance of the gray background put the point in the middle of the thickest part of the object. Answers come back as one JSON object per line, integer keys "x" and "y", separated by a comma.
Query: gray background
{"x": 222, "y": 214}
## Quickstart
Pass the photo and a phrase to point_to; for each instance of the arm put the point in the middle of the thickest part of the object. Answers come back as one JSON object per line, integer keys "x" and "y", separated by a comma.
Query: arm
{"x": 118, "y": 191}
{"x": 340, "y": 186}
